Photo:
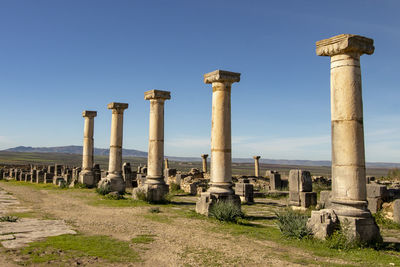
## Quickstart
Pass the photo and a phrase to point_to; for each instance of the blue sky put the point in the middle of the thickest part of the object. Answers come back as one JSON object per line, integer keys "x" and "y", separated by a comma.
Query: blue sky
{"x": 58, "y": 58}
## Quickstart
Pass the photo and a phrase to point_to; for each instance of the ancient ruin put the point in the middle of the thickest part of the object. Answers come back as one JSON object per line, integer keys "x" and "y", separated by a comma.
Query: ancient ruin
{"x": 155, "y": 187}
{"x": 349, "y": 198}
{"x": 86, "y": 176}
{"x": 221, "y": 147}
{"x": 114, "y": 180}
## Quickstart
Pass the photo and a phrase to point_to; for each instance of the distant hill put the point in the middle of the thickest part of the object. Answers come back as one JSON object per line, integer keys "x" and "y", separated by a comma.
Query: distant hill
{"x": 75, "y": 150}
{"x": 138, "y": 153}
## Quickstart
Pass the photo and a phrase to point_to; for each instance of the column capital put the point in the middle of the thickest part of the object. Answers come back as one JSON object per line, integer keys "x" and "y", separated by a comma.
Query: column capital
{"x": 204, "y": 156}
{"x": 118, "y": 106}
{"x": 157, "y": 94}
{"x": 89, "y": 113}
{"x": 221, "y": 76}
{"x": 256, "y": 157}
{"x": 345, "y": 43}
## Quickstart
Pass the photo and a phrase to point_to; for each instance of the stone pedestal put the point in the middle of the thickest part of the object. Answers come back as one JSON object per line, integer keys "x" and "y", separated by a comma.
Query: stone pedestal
{"x": 348, "y": 158}
{"x": 114, "y": 180}
{"x": 256, "y": 166}
{"x": 221, "y": 153}
{"x": 155, "y": 187}
{"x": 86, "y": 176}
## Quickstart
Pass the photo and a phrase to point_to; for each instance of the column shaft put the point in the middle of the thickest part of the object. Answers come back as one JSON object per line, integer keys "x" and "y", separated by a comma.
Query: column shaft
{"x": 348, "y": 155}
{"x": 156, "y": 139}
{"x": 115, "y": 157}
{"x": 87, "y": 157}
{"x": 221, "y": 158}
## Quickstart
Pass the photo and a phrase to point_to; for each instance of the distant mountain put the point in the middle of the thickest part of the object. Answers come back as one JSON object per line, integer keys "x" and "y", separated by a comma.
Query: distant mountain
{"x": 137, "y": 153}
{"x": 75, "y": 150}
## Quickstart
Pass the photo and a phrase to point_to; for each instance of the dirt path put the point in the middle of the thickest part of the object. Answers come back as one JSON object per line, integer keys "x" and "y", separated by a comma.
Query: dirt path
{"x": 178, "y": 241}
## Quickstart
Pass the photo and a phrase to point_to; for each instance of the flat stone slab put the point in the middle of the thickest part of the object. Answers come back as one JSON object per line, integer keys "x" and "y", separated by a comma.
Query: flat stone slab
{"x": 25, "y": 230}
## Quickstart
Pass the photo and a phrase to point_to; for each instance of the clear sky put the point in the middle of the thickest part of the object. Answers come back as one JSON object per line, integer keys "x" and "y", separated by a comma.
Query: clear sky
{"x": 60, "y": 57}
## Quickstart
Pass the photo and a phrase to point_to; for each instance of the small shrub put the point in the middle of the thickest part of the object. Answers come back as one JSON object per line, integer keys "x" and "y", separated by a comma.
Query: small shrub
{"x": 154, "y": 210}
{"x": 8, "y": 219}
{"x": 293, "y": 224}
{"x": 384, "y": 222}
{"x": 226, "y": 211}
{"x": 80, "y": 185}
{"x": 141, "y": 195}
{"x": 63, "y": 185}
{"x": 173, "y": 187}
{"x": 103, "y": 190}
{"x": 114, "y": 196}
{"x": 340, "y": 239}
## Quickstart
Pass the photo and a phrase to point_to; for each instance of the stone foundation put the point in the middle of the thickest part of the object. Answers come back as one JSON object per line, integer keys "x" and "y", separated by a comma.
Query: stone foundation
{"x": 114, "y": 182}
{"x": 86, "y": 178}
{"x": 207, "y": 200}
{"x": 152, "y": 192}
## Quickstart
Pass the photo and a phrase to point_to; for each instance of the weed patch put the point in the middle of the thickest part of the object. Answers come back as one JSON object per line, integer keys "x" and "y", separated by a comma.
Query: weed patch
{"x": 226, "y": 211}
{"x": 143, "y": 239}
{"x": 293, "y": 224}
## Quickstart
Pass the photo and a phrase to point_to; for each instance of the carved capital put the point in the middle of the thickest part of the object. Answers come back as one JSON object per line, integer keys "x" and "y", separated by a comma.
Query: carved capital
{"x": 204, "y": 156}
{"x": 345, "y": 43}
{"x": 256, "y": 157}
{"x": 89, "y": 113}
{"x": 117, "y": 107}
{"x": 221, "y": 76}
{"x": 157, "y": 94}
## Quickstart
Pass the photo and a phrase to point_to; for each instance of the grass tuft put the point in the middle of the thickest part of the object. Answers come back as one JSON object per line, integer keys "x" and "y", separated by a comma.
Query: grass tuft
{"x": 293, "y": 224}
{"x": 9, "y": 218}
{"x": 143, "y": 239}
{"x": 226, "y": 211}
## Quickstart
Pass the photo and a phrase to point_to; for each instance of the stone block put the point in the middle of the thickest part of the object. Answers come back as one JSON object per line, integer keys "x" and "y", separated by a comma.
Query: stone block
{"x": 152, "y": 193}
{"x": 275, "y": 182}
{"x": 308, "y": 199}
{"x": 190, "y": 188}
{"x": 325, "y": 199}
{"x": 323, "y": 223}
{"x": 300, "y": 181}
{"x": 87, "y": 178}
{"x": 374, "y": 204}
{"x": 207, "y": 200}
{"x": 294, "y": 198}
{"x": 376, "y": 190}
{"x": 245, "y": 191}
{"x": 396, "y": 210}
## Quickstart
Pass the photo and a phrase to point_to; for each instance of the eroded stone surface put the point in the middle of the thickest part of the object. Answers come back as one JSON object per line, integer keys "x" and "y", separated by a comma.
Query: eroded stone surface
{"x": 25, "y": 230}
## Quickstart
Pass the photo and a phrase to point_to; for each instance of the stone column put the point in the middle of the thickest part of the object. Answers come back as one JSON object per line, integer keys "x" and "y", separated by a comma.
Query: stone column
{"x": 86, "y": 176}
{"x": 221, "y": 153}
{"x": 114, "y": 179}
{"x": 204, "y": 159}
{"x": 348, "y": 156}
{"x": 256, "y": 165}
{"x": 166, "y": 164}
{"x": 155, "y": 187}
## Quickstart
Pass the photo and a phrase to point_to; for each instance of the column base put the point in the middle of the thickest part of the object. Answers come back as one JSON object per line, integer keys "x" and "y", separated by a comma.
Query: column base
{"x": 221, "y": 188}
{"x": 324, "y": 222}
{"x": 208, "y": 199}
{"x": 114, "y": 182}
{"x": 151, "y": 192}
{"x": 86, "y": 178}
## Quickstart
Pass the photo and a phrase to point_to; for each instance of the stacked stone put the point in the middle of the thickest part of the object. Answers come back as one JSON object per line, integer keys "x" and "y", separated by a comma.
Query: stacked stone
{"x": 275, "y": 181}
{"x": 300, "y": 189}
{"x": 245, "y": 190}
{"x": 396, "y": 210}
{"x": 376, "y": 195}
{"x": 127, "y": 174}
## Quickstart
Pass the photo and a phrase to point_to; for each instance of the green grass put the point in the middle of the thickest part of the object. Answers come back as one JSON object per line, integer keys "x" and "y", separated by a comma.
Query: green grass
{"x": 69, "y": 247}
{"x": 119, "y": 203}
{"x": 32, "y": 185}
{"x": 28, "y": 214}
{"x": 143, "y": 239}
{"x": 276, "y": 195}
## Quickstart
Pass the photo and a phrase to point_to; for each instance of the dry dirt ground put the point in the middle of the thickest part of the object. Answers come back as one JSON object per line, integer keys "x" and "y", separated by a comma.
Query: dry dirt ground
{"x": 178, "y": 240}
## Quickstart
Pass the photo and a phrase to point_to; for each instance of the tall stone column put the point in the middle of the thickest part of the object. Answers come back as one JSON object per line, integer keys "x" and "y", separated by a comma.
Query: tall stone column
{"x": 166, "y": 164}
{"x": 114, "y": 179}
{"x": 86, "y": 176}
{"x": 204, "y": 160}
{"x": 256, "y": 165}
{"x": 155, "y": 187}
{"x": 348, "y": 156}
{"x": 221, "y": 144}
